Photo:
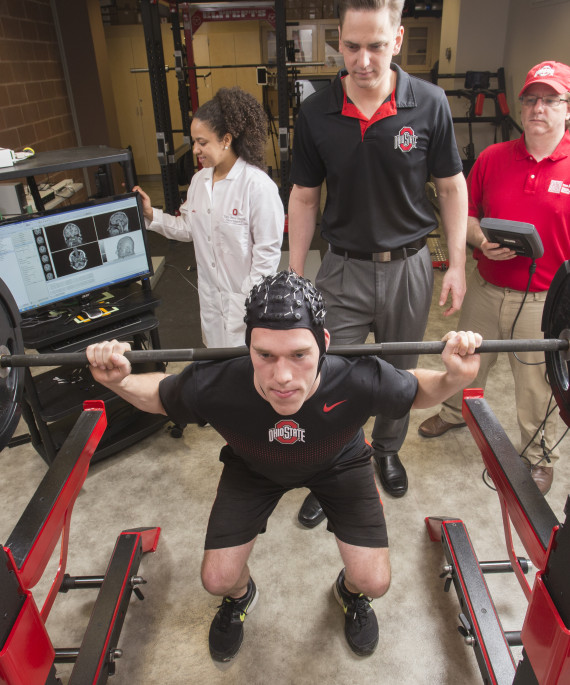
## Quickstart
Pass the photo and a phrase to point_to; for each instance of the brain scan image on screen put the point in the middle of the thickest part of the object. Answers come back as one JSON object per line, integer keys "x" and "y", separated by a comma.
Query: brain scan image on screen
{"x": 77, "y": 259}
{"x": 72, "y": 235}
{"x": 86, "y": 248}
{"x": 118, "y": 223}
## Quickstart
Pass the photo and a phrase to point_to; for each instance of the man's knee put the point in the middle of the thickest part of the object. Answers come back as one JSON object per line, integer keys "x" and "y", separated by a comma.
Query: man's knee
{"x": 223, "y": 569}
{"x": 372, "y": 579}
{"x": 218, "y": 577}
{"x": 376, "y": 584}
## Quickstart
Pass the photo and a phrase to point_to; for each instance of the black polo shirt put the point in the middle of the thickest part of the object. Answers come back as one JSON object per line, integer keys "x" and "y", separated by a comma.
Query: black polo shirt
{"x": 376, "y": 175}
{"x": 290, "y": 449}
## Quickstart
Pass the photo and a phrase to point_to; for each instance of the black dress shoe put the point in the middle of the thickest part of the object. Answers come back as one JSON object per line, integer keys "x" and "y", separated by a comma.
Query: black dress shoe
{"x": 392, "y": 474}
{"x": 311, "y": 513}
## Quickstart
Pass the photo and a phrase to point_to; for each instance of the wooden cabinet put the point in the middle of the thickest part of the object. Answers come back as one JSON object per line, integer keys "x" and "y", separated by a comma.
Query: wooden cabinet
{"x": 133, "y": 98}
{"x": 420, "y": 48}
{"x": 328, "y": 46}
{"x": 224, "y": 44}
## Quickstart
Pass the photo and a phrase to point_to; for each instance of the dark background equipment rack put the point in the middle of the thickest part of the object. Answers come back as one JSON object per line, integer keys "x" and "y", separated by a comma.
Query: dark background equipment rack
{"x": 477, "y": 88}
{"x": 54, "y": 399}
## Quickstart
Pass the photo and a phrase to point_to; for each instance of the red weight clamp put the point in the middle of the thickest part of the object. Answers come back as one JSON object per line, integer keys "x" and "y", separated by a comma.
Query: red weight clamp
{"x": 479, "y": 102}
{"x": 503, "y": 106}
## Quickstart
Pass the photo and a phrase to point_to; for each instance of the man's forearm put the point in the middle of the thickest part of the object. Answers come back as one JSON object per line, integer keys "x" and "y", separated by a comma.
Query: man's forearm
{"x": 474, "y": 233}
{"x": 452, "y": 194}
{"x": 436, "y": 386}
{"x": 302, "y": 219}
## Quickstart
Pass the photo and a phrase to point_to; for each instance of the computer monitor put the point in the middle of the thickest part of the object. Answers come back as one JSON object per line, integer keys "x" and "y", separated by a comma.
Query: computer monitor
{"x": 308, "y": 86}
{"x": 75, "y": 253}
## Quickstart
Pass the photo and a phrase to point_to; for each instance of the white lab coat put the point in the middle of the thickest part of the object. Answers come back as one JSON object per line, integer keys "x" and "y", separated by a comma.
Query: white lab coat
{"x": 237, "y": 229}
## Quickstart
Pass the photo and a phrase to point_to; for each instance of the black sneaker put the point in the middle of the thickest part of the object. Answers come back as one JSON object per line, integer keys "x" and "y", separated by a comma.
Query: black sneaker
{"x": 360, "y": 624}
{"x": 226, "y": 631}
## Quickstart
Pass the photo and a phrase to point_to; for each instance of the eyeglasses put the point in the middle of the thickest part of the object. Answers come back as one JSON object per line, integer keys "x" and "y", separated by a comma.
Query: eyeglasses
{"x": 547, "y": 101}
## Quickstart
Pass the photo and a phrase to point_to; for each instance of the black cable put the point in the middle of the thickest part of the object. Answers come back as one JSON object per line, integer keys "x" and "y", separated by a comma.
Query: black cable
{"x": 488, "y": 483}
{"x": 531, "y": 271}
{"x": 542, "y": 424}
{"x": 546, "y": 452}
{"x": 549, "y": 411}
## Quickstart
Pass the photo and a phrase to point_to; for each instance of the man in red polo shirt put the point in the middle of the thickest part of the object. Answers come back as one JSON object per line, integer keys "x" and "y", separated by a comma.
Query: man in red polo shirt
{"x": 376, "y": 135}
{"x": 523, "y": 180}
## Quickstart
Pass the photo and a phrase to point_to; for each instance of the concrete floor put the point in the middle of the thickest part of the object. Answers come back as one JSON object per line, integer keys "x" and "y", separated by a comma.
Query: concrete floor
{"x": 295, "y": 635}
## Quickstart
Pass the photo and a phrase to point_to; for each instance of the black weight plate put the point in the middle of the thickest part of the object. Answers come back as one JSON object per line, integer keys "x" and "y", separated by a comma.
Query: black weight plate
{"x": 555, "y": 320}
{"x": 12, "y": 379}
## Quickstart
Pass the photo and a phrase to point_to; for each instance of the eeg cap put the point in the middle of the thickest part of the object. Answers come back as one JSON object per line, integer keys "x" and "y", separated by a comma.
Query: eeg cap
{"x": 284, "y": 301}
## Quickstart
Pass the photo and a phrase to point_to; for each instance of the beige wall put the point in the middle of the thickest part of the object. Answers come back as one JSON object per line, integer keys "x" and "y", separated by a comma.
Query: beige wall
{"x": 475, "y": 34}
{"x": 535, "y": 34}
{"x": 487, "y": 34}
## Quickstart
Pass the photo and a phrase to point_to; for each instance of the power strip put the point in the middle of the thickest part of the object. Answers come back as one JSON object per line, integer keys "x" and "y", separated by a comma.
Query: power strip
{"x": 59, "y": 191}
{"x": 62, "y": 184}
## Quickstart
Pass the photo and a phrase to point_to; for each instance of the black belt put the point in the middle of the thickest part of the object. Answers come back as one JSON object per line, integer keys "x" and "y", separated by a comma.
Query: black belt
{"x": 391, "y": 255}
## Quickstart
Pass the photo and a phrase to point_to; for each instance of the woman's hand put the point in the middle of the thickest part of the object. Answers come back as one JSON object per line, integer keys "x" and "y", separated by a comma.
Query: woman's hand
{"x": 147, "y": 207}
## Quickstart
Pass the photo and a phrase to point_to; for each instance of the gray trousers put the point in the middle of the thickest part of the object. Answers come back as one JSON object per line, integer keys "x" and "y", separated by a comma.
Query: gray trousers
{"x": 391, "y": 300}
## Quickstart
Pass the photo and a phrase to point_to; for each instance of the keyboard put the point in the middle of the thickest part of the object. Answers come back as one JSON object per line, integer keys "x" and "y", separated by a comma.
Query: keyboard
{"x": 116, "y": 329}
{"x": 132, "y": 302}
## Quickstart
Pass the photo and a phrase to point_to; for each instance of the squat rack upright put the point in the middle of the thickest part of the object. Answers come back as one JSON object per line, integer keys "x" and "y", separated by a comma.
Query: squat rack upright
{"x": 172, "y": 160}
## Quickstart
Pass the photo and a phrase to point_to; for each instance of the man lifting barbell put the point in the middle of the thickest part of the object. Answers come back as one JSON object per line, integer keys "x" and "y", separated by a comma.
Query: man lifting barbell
{"x": 283, "y": 440}
{"x": 292, "y": 417}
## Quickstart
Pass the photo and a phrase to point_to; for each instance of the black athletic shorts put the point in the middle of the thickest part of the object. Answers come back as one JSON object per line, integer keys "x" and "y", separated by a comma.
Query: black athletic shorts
{"x": 347, "y": 492}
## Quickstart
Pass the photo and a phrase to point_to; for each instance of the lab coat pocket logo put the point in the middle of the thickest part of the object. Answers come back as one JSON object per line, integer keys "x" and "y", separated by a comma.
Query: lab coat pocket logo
{"x": 235, "y": 219}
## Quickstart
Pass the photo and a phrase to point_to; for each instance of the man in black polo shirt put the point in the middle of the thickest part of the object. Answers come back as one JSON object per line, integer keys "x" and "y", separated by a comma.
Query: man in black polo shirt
{"x": 292, "y": 417}
{"x": 376, "y": 135}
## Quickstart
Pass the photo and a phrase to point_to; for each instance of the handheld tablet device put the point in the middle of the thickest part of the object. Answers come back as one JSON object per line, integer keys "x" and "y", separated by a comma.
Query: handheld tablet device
{"x": 521, "y": 237}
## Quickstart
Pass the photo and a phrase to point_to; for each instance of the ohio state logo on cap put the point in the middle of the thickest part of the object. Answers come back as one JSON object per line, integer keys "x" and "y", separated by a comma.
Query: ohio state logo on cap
{"x": 406, "y": 139}
{"x": 546, "y": 70}
{"x": 287, "y": 432}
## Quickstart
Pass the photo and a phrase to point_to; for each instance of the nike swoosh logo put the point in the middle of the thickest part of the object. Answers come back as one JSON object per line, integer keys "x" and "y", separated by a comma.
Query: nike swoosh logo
{"x": 326, "y": 408}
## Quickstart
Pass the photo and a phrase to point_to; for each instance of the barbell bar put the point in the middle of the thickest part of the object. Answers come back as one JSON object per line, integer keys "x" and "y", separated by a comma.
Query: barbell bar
{"x": 219, "y": 353}
{"x": 555, "y": 345}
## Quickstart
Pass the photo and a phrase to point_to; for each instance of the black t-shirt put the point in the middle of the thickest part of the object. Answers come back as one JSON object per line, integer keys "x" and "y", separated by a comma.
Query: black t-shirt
{"x": 289, "y": 449}
{"x": 376, "y": 198}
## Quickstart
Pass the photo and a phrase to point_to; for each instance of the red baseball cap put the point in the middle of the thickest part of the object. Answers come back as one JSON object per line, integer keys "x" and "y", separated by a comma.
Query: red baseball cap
{"x": 553, "y": 74}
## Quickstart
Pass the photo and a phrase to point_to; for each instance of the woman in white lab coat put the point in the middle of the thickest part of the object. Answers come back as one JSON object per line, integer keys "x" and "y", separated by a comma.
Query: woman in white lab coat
{"x": 233, "y": 212}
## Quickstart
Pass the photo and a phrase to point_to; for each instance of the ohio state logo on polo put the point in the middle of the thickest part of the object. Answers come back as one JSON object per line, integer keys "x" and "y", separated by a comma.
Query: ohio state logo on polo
{"x": 287, "y": 432}
{"x": 406, "y": 139}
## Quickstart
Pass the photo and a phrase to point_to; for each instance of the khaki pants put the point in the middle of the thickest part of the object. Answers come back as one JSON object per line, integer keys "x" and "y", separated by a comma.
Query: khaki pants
{"x": 491, "y": 311}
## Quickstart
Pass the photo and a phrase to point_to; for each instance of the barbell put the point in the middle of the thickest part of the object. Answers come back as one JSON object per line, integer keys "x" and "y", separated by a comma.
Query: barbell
{"x": 555, "y": 345}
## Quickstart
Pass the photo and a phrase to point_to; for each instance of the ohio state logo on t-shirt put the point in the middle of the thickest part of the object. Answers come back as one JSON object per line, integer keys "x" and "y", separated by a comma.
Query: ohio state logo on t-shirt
{"x": 406, "y": 139}
{"x": 287, "y": 432}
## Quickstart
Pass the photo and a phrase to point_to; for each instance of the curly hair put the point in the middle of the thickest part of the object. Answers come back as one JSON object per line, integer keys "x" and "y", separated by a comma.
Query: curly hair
{"x": 234, "y": 111}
